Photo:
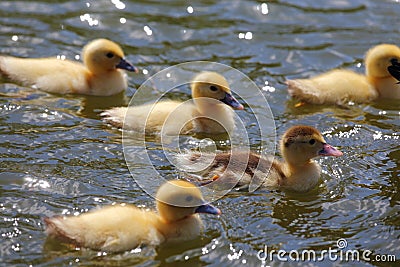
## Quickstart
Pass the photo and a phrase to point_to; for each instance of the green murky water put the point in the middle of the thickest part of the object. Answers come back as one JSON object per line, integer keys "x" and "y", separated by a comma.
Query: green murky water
{"x": 57, "y": 156}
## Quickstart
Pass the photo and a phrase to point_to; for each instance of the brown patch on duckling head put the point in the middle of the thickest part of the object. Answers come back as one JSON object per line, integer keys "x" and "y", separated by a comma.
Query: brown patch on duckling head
{"x": 378, "y": 59}
{"x": 299, "y": 133}
{"x": 301, "y": 143}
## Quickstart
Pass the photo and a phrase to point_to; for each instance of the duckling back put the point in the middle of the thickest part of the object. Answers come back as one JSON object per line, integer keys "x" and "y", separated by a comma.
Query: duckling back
{"x": 100, "y": 76}
{"x": 48, "y": 74}
{"x": 333, "y": 87}
{"x": 209, "y": 111}
{"x": 171, "y": 118}
{"x": 119, "y": 228}
{"x": 153, "y": 117}
{"x": 297, "y": 172}
{"x": 234, "y": 169}
{"x": 113, "y": 228}
{"x": 341, "y": 86}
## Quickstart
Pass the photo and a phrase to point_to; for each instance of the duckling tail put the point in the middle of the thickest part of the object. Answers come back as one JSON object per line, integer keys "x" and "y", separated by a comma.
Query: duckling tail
{"x": 53, "y": 230}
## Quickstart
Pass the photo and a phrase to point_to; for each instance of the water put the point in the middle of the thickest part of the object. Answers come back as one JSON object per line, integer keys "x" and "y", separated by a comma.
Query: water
{"x": 57, "y": 156}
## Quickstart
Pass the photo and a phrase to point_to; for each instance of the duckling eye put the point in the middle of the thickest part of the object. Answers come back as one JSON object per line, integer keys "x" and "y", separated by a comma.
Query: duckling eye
{"x": 110, "y": 55}
{"x": 213, "y": 88}
{"x": 311, "y": 142}
{"x": 287, "y": 144}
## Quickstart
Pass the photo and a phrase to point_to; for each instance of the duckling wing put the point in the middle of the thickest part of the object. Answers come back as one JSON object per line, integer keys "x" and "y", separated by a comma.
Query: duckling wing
{"x": 48, "y": 74}
{"x": 333, "y": 87}
{"x": 182, "y": 230}
{"x": 218, "y": 119}
{"x": 236, "y": 169}
{"x": 114, "y": 228}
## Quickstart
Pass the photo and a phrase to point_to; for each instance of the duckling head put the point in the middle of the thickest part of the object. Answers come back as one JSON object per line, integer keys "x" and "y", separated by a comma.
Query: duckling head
{"x": 379, "y": 58}
{"x": 215, "y": 86}
{"x": 301, "y": 143}
{"x": 179, "y": 199}
{"x": 102, "y": 55}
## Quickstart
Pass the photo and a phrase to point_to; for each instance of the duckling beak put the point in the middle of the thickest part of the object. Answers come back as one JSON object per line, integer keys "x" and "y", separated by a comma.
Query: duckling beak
{"x": 230, "y": 100}
{"x": 124, "y": 64}
{"x": 329, "y": 150}
{"x": 395, "y": 62}
{"x": 394, "y": 69}
{"x": 207, "y": 208}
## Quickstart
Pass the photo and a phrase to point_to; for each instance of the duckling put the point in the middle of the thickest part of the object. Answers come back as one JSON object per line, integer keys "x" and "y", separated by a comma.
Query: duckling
{"x": 100, "y": 74}
{"x": 120, "y": 228}
{"x": 341, "y": 86}
{"x": 208, "y": 112}
{"x": 297, "y": 172}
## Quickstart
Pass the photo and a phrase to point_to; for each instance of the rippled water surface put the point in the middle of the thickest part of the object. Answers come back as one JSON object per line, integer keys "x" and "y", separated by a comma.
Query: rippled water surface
{"x": 58, "y": 157}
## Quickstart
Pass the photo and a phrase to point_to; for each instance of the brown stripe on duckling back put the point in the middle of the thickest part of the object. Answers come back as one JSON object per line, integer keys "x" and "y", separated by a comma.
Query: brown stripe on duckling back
{"x": 239, "y": 161}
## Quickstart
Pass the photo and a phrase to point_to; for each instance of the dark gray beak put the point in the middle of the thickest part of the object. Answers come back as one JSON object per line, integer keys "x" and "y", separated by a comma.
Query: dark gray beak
{"x": 231, "y": 101}
{"x": 207, "y": 208}
{"x": 125, "y": 65}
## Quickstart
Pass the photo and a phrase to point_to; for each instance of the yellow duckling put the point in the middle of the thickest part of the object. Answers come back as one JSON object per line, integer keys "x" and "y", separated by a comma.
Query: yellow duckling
{"x": 209, "y": 112}
{"x": 120, "y": 228}
{"x": 341, "y": 86}
{"x": 100, "y": 74}
{"x": 298, "y": 172}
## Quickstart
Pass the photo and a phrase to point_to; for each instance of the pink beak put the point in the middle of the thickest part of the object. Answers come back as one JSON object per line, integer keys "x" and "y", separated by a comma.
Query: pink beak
{"x": 329, "y": 150}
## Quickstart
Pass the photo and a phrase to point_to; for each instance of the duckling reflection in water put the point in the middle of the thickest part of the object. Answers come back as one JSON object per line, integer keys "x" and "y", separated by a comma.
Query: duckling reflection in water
{"x": 297, "y": 172}
{"x": 210, "y": 111}
{"x": 120, "y": 228}
{"x": 100, "y": 74}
